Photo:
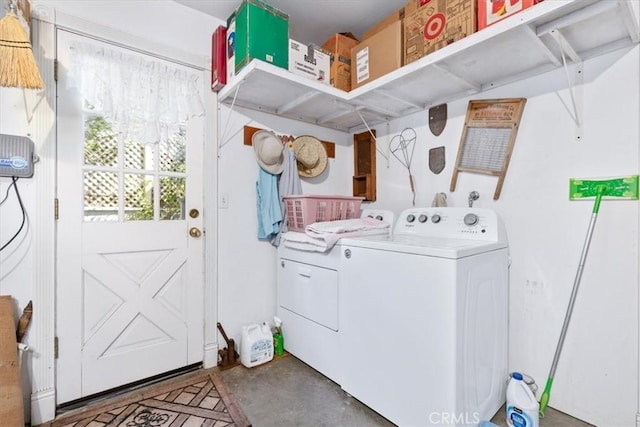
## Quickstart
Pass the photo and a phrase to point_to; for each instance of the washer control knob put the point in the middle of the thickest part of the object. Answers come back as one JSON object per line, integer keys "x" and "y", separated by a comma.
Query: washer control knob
{"x": 379, "y": 218}
{"x": 435, "y": 218}
{"x": 471, "y": 219}
{"x": 422, "y": 218}
{"x": 411, "y": 218}
{"x": 347, "y": 253}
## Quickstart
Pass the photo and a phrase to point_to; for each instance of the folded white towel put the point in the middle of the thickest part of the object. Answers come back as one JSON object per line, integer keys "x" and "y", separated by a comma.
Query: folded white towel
{"x": 323, "y": 242}
{"x": 345, "y": 226}
{"x": 302, "y": 242}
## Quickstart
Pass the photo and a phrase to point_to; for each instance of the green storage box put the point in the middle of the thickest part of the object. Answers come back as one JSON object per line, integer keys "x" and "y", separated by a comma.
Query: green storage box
{"x": 261, "y": 32}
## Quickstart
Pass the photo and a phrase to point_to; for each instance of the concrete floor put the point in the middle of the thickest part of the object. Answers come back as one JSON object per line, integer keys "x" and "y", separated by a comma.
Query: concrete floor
{"x": 287, "y": 392}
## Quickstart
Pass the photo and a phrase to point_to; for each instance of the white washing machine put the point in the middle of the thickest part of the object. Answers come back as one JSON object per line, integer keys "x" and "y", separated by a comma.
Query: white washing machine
{"x": 308, "y": 303}
{"x": 425, "y": 318}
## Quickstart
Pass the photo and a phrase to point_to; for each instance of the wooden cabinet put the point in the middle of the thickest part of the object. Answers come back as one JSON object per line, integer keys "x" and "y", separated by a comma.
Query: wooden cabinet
{"x": 364, "y": 165}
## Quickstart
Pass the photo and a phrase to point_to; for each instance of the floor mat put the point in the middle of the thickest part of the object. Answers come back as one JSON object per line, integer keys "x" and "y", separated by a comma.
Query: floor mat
{"x": 197, "y": 399}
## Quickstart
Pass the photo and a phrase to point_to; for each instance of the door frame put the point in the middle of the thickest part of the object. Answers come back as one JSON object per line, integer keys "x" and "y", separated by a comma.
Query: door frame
{"x": 45, "y": 22}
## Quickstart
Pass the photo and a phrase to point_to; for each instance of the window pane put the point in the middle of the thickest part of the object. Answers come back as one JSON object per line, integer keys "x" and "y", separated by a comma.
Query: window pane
{"x": 138, "y": 197}
{"x": 138, "y": 156}
{"x": 172, "y": 194}
{"x": 100, "y": 196}
{"x": 100, "y": 143}
{"x": 173, "y": 153}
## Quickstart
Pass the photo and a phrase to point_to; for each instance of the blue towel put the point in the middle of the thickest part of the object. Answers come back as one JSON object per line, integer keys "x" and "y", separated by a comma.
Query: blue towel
{"x": 289, "y": 185}
{"x": 268, "y": 205}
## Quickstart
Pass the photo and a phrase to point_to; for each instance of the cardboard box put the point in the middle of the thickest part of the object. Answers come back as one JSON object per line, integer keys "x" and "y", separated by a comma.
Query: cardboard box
{"x": 437, "y": 24}
{"x": 231, "y": 47}
{"x": 261, "y": 32}
{"x": 219, "y": 58}
{"x": 339, "y": 47}
{"x": 398, "y": 15}
{"x": 309, "y": 61}
{"x": 492, "y": 11}
{"x": 11, "y": 404}
{"x": 377, "y": 56}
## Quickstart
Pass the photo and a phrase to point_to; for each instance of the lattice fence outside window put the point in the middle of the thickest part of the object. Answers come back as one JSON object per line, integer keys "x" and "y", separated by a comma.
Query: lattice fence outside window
{"x": 123, "y": 179}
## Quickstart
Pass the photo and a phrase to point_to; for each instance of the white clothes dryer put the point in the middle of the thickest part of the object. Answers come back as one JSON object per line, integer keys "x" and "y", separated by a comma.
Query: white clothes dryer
{"x": 308, "y": 303}
{"x": 424, "y": 317}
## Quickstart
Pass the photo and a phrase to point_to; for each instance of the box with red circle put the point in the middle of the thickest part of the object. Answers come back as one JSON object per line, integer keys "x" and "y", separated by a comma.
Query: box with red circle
{"x": 492, "y": 11}
{"x": 436, "y": 24}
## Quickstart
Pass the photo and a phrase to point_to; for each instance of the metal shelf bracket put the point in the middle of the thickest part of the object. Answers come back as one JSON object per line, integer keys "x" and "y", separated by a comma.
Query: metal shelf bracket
{"x": 574, "y": 85}
{"x": 373, "y": 136}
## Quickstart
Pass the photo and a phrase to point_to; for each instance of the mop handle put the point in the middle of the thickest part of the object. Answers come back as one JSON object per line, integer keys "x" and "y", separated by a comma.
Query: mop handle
{"x": 544, "y": 399}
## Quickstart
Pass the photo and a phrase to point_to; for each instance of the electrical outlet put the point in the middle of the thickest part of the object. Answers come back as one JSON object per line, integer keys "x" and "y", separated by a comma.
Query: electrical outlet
{"x": 223, "y": 201}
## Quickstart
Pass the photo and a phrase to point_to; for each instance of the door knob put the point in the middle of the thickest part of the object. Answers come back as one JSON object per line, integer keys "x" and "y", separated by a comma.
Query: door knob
{"x": 195, "y": 232}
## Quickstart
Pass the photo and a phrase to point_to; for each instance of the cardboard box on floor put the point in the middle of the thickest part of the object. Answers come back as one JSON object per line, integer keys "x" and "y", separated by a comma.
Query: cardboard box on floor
{"x": 339, "y": 46}
{"x": 11, "y": 405}
{"x": 492, "y": 11}
{"x": 436, "y": 25}
{"x": 398, "y": 15}
{"x": 377, "y": 56}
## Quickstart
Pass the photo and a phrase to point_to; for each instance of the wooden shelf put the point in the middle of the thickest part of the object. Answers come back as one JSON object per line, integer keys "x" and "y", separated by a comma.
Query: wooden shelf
{"x": 516, "y": 48}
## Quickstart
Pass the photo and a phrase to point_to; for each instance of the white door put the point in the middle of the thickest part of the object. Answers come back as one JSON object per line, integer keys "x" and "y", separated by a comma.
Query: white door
{"x": 130, "y": 277}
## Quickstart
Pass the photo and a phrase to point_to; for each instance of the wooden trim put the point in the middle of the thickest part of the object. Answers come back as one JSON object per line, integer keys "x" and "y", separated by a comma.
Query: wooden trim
{"x": 249, "y": 131}
{"x": 43, "y": 132}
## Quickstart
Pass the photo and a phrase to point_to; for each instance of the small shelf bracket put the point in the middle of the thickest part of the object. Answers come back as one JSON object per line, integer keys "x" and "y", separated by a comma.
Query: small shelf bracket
{"x": 222, "y": 142}
{"x": 574, "y": 85}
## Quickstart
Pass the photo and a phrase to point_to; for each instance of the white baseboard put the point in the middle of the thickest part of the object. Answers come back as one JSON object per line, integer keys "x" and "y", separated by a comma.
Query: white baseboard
{"x": 43, "y": 406}
{"x": 210, "y": 356}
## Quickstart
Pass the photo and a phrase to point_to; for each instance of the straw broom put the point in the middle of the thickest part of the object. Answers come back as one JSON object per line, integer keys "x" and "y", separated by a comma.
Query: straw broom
{"x": 17, "y": 65}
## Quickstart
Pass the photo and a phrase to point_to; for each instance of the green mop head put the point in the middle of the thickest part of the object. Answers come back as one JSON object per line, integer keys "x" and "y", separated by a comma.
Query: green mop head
{"x": 625, "y": 188}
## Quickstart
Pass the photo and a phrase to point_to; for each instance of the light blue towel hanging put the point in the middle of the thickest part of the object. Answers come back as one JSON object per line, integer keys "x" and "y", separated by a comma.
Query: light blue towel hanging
{"x": 268, "y": 205}
{"x": 289, "y": 185}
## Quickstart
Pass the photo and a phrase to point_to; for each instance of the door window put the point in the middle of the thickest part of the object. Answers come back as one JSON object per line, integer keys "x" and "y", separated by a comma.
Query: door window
{"x": 127, "y": 181}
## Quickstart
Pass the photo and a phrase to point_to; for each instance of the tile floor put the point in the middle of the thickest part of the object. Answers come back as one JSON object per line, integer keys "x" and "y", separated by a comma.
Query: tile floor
{"x": 287, "y": 392}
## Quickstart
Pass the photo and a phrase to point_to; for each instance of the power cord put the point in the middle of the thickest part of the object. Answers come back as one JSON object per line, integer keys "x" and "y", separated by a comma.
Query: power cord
{"x": 24, "y": 214}
{"x": 6, "y": 195}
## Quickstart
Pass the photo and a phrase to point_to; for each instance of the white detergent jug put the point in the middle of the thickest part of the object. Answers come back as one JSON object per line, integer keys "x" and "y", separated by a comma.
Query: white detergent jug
{"x": 522, "y": 406}
{"x": 256, "y": 346}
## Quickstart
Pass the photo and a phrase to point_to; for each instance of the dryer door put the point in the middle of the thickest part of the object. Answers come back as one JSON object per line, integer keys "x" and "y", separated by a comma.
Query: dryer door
{"x": 309, "y": 291}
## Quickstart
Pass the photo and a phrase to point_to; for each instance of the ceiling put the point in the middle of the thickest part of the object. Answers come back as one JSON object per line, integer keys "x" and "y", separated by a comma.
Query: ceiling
{"x": 313, "y": 21}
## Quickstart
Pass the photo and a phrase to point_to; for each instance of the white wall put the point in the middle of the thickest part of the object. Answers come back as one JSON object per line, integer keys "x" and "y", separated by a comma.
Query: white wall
{"x": 597, "y": 378}
{"x": 15, "y": 261}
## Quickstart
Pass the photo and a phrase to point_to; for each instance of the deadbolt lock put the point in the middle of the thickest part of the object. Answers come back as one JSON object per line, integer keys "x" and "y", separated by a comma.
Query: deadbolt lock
{"x": 194, "y": 213}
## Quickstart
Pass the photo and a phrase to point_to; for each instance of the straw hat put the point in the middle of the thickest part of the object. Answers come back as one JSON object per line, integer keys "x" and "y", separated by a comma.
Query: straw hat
{"x": 311, "y": 156}
{"x": 269, "y": 151}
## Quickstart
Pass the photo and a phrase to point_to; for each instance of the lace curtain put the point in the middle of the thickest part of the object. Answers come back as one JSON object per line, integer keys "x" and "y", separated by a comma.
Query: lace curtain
{"x": 145, "y": 99}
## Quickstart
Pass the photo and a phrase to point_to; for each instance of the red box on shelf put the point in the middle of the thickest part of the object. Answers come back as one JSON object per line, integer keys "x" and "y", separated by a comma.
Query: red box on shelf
{"x": 492, "y": 11}
{"x": 219, "y": 58}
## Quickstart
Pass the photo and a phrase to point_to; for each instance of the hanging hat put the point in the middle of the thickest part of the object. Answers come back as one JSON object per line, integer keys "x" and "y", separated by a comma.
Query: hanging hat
{"x": 311, "y": 156}
{"x": 269, "y": 151}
